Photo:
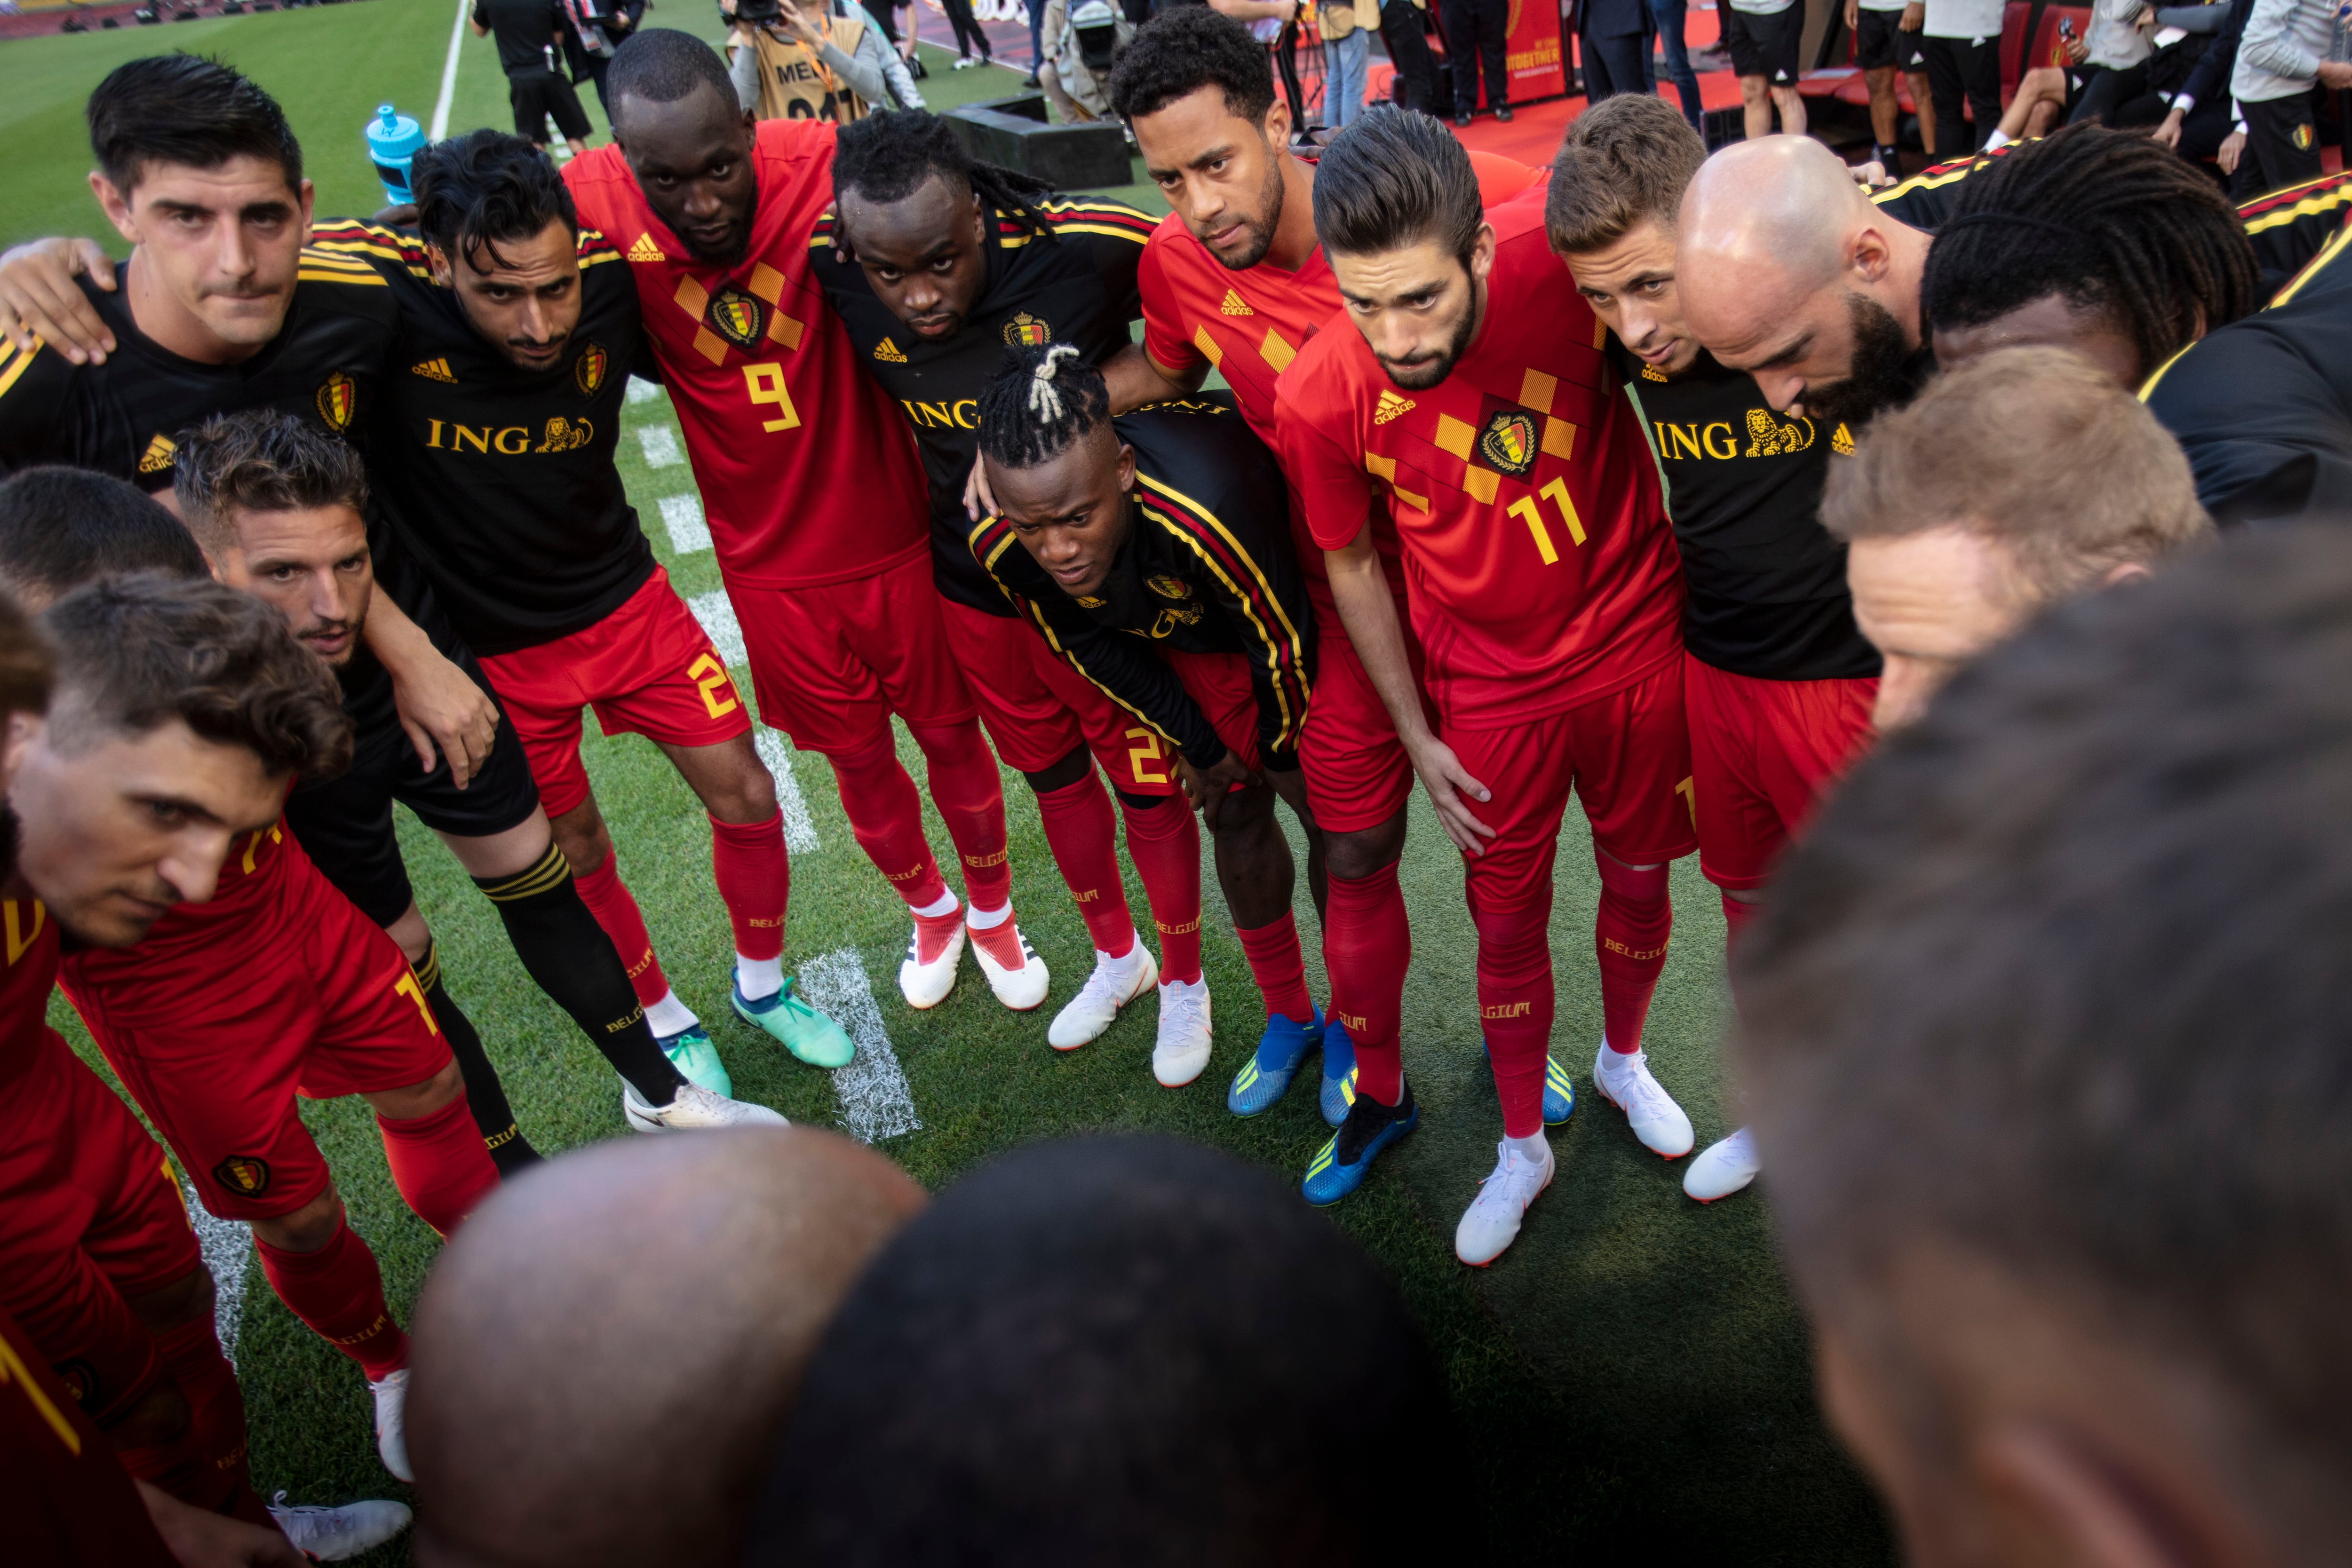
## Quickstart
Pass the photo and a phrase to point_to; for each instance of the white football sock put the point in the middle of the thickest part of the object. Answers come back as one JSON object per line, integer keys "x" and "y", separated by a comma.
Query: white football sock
{"x": 1998, "y": 138}
{"x": 759, "y": 978}
{"x": 945, "y": 904}
{"x": 1535, "y": 1148}
{"x": 669, "y": 1015}
{"x": 981, "y": 919}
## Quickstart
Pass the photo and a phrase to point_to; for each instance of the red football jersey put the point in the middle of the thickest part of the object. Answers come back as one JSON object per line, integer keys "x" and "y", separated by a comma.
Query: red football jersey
{"x": 28, "y": 941}
{"x": 188, "y": 964}
{"x": 1539, "y": 563}
{"x": 808, "y": 474}
{"x": 1251, "y": 325}
{"x": 69, "y": 1501}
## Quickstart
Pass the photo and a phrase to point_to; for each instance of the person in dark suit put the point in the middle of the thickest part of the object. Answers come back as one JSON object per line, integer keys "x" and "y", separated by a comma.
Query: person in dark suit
{"x": 1474, "y": 32}
{"x": 1613, "y": 42}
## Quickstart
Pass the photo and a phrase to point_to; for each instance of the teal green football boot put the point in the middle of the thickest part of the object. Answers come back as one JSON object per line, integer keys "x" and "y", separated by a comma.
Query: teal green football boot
{"x": 798, "y": 1026}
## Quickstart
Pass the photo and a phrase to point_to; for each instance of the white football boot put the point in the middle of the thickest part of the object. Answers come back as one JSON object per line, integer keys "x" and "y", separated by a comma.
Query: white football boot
{"x": 1491, "y": 1223}
{"x": 1114, "y": 983}
{"x": 928, "y": 971}
{"x": 694, "y": 1107}
{"x": 1021, "y": 983}
{"x": 1182, "y": 1049}
{"x": 338, "y": 1534}
{"x": 1625, "y": 1082}
{"x": 1724, "y": 1168}
{"x": 392, "y": 1422}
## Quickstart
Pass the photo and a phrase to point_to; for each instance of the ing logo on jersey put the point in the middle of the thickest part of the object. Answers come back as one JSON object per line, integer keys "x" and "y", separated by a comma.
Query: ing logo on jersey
{"x": 588, "y": 370}
{"x": 1390, "y": 407}
{"x": 157, "y": 458}
{"x": 1508, "y": 442}
{"x": 1174, "y": 615}
{"x": 338, "y": 400}
{"x": 248, "y": 1176}
{"x": 564, "y": 436}
{"x": 1772, "y": 436}
{"x": 738, "y": 318}
{"x": 1167, "y": 587}
{"x": 1025, "y": 331}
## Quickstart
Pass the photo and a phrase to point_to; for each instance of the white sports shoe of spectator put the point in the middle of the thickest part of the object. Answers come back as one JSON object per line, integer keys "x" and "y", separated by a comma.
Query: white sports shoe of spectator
{"x": 1182, "y": 1047}
{"x": 1724, "y": 1168}
{"x": 1114, "y": 983}
{"x": 1491, "y": 1223}
{"x": 1625, "y": 1082}
{"x": 392, "y": 1422}
{"x": 694, "y": 1107}
{"x": 337, "y": 1534}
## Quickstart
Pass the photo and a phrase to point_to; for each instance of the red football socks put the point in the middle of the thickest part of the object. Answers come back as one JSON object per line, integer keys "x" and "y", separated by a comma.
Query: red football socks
{"x": 755, "y": 882}
{"x": 1165, "y": 844}
{"x": 192, "y": 1357}
{"x": 970, "y": 796}
{"x": 608, "y": 900}
{"x": 1515, "y": 1005}
{"x": 438, "y": 1164}
{"x": 181, "y": 1466}
{"x": 1629, "y": 937}
{"x": 1084, "y": 838}
{"x": 1278, "y": 967}
{"x": 1367, "y": 945}
{"x": 339, "y": 1293}
{"x": 1736, "y": 914}
{"x": 886, "y": 817}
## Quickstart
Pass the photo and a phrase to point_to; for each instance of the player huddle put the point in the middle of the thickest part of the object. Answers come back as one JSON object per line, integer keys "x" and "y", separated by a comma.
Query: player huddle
{"x": 1519, "y": 491}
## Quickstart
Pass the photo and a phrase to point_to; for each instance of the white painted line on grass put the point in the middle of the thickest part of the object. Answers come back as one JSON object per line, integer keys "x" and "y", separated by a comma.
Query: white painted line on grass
{"x": 643, "y": 391}
{"x": 874, "y": 1101}
{"x": 228, "y": 1247}
{"x": 717, "y": 618}
{"x": 660, "y": 443}
{"x": 440, "y": 126}
{"x": 682, "y": 516}
{"x": 800, "y": 833}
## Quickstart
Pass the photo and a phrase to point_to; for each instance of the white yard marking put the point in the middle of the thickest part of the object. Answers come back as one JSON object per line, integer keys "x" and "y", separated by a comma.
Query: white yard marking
{"x": 874, "y": 1101}
{"x": 643, "y": 391}
{"x": 228, "y": 1247}
{"x": 800, "y": 833}
{"x": 717, "y": 618}
{"x": 660, "y": 443}
{"x": 682, "y": 516}
{"x": 440, "y": 126}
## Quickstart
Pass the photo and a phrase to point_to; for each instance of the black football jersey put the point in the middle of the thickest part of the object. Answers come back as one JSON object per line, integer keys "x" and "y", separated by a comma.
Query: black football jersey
{"x": 1208, "y": 568}
{"x": 1074, "y": 282}
{"x": 499, "y": 482}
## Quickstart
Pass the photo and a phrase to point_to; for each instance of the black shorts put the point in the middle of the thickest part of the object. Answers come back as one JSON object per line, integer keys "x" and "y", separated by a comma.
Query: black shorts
{"x": 1879, "y": 43}
{"x": 345, "y": 824}
{"x": 538, "y": 94}
{"x": 1764, "y": 46}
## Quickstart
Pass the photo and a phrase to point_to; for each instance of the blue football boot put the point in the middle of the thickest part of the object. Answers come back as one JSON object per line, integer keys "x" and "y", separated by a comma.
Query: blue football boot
{"x": 1340, "y": 1165}
{"x": 1266, "y": 1076}
{"x": 1559, "y": 1090}
{"x": 1338, "y": 1073}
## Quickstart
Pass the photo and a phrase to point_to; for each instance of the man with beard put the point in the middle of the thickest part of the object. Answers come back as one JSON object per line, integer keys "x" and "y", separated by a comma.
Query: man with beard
{"x": 1472, "y": 399}
{"x": 809, "y": 480}
{"x": 1234, "y": 281}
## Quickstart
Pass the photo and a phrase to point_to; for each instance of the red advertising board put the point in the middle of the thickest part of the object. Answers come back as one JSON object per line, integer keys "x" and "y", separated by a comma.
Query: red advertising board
{"x": 1533, "y": 62}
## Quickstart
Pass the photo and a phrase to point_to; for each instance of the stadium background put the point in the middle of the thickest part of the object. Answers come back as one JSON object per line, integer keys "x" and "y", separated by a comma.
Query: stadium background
{"x": 1631, "y": 1378}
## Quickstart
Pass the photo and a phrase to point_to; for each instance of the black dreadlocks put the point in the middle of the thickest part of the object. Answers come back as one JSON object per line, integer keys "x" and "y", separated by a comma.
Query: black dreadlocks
{"x": 2113, "y": 221}
{"x": 1042, "y": 403}
{"x": 886, "y": 156}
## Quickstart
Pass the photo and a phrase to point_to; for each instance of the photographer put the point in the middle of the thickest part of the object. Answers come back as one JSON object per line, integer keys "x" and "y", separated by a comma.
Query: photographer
{"x": 526, "y": 32}
{"x": 1088, "y": 37}
{"x": 598, "y": 27}
{"x": 808, "y": 59}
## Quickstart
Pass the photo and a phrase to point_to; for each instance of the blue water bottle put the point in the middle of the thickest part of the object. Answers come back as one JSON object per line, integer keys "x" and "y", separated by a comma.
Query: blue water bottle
{"x": 392, "y": 140}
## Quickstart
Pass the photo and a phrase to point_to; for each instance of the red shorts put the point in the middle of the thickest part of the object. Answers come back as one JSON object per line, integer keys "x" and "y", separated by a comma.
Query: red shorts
{"x": 648, "y": 668}
{"x": 312, "y": 999}
{"x": 1219, "y": 685}
{"x": 1038, "y": 710}
{"x": 1358, "y": 775}
{"x": 91, "y": 1213}
{"x": 1627, "y": 756}
{"x": 831, "y": 664}
{"x": 1761, "y": 754}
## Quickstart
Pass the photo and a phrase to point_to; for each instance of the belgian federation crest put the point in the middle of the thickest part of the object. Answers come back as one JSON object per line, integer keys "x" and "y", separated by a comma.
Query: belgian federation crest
{"x": 589, "y": 368}
{"x": 737, "y": 316}
{"x": 1025, "y": 331}
{"x": 2303, "y": 137}
{"x": 248, "y": 1176}
{"x": 1508, "y": 442}
{"x": 1167, "y": 587}
{"x": 338, "y": 400}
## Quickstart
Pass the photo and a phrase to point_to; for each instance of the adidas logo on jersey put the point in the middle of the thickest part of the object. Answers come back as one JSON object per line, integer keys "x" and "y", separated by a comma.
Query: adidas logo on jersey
{"x": 888, "y": 352}
{"x": 1235, "y": 304}
{"x": 157, "y": 458}
{"x": 645, "y": 250}
{"x": 433, "y": 370}
{"x": 1389, "y": 407}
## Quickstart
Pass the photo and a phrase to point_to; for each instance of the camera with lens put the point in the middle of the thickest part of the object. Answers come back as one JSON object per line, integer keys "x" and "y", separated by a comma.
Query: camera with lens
{"x": 759, "y": 13}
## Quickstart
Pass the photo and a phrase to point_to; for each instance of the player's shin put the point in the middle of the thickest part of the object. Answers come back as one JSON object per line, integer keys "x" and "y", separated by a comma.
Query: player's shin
{"x": 886, "y": 817}
{"x": 1737, "y": 913}
{"x": 486, "y": 1097}
{"x": 1629, "y": 937}
{"x": 609, "y": 900}
{"x": 1279, "y": 967}
{"x": 339, "y": 1291}
{"x": 755, "y": 880}
{"x": 192, "y": 1354}
{"x": 970, "y": 796}
{"x": 1084, "y": 838}
{"x": 1515, "y": 1008}
{"x": 1367, "y": 947}
{"x": 1165, "y": 844}
{"x": 438, "y": 1164}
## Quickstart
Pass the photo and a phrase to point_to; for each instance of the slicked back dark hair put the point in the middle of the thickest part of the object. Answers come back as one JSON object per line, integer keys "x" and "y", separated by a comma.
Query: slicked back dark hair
{"x": 1115, "y": 1350}
{"x": 1041, "y": 403}
{"x": 136, "y": 652}
{"x": 2113, "y": 221}
{"x": 1627, "y": 158}
{"x": 1393, "y": 179}
{"x": 662, "y": 65}
{"x": 260, "y": 461}
{"x": 1183, "y": 50}
{"x": 886, "y": 156}
{"x": 61, "y": 526}
{"x": 183, "y": 108}
{"x": 474, "y": 190}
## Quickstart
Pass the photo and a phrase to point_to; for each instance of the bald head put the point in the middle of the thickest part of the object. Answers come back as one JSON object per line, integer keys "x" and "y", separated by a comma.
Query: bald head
{"x": 604, "y": 1354}
{"x": 1787, "y": 271}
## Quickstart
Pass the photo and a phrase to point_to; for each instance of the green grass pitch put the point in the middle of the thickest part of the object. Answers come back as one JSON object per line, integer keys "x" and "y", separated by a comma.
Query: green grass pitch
{"x": 1632, "y": 1378}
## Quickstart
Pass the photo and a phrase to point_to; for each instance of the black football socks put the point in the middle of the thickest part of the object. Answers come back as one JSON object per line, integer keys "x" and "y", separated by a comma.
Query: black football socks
{"x": 486, "y": 1097}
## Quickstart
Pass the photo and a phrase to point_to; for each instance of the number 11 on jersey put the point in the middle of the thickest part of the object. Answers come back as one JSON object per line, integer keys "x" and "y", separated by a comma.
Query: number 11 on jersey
{"x": 1557, "y": 494}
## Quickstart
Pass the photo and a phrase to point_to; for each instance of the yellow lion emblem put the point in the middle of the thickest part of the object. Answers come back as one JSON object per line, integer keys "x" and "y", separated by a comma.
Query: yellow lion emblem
{"x": 1771, "y": 437}
{"x": 564, "y": 436}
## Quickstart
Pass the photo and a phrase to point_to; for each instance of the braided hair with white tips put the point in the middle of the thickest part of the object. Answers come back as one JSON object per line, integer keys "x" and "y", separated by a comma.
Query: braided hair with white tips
{"x": 1041, "y": 403}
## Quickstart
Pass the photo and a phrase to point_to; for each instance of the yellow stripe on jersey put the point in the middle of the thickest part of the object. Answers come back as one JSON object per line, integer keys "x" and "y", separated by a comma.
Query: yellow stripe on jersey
{"x": 1931, "y": 181}
{"x": 13, "y": 363}
{"x": 2327, "y": 253}
{"x": 1250, "y": 601}
{"x": 361, "y": 279}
